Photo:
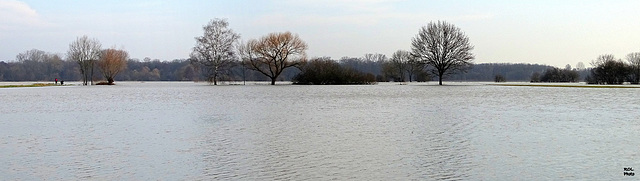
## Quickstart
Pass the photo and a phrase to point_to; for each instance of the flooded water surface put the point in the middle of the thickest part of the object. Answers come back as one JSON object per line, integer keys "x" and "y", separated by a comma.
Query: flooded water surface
{"x": 192, "y": 131}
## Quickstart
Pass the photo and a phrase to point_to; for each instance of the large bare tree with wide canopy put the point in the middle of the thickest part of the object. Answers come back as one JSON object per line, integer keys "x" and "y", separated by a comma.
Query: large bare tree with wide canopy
{"x": 273, "y": 53}
{"x": 444, "y": 47}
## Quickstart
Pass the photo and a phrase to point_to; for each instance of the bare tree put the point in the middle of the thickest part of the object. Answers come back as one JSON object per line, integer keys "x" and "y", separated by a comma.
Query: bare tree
{"x": 400, "y": 60}
{"x": 389, "y": 72}
{"x": 608, "y": 70}
{"x": 414, "y": 67}
{"x": 444, "y": 47}
{"x": 273, "y": 53}
{"x": 634, "y": 61}
{"x": 602, "y": 59}
{"x": 374, "y": 57}
{"x": 215, "y": 49}
{"x": 245, "y": 50}
{"x": 375, "y": 63}
{"x": 41, "y": 65}
{"x": 32, "y": 55}
{"x": 85, "y": 51}
{"x": 112, "y": 62}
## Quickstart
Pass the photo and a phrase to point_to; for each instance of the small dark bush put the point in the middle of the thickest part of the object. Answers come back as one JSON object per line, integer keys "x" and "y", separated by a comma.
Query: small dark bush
{"x": 105, "y": 83}
{"x": 499, "y": 78}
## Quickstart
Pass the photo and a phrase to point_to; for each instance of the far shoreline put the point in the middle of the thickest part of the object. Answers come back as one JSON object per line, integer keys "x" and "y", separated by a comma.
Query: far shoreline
{"x": 20, "y": 84}
{"x": 568, "y": 85}
{"x": 29, "y": 85}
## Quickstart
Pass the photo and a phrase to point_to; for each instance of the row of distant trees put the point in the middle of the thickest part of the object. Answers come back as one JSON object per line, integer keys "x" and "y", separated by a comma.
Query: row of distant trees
{"x": 52, "y": 66}
{"x": 555, "y": 74}
{"x": 606, "y": 70}
{"x": 609, "y": 70}
{"x": 149, "y": 69}
{"x": 85, "y": 56}
{"x": 44, "y": 66}
{"x": 439, "y": 47}
{"x": 439, "y": 50}
{"x": 38, "y": 65}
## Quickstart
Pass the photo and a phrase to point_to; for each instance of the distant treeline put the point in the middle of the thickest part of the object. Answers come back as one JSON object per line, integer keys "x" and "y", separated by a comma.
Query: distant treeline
{"x": 50, "y": 68}
{"x": 511, "y": 72}
{"x": 145, "y": 70}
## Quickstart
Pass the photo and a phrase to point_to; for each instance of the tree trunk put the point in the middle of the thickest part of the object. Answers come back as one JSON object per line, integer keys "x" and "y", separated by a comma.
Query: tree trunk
{"x": 440, "y": 79}
{"x": 86, "y": 77}
{"x": 273, "y": 81}
{"x": 84, "y": 73}
{"x": 215, "y": 79}
{"x": 110, "y": 80}
{"x": 91, "y": 72}
{"x": 637, "y": 75}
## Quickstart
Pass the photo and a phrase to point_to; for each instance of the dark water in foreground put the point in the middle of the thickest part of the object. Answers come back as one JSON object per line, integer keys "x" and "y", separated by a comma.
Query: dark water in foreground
{"x": 188, "y": 131}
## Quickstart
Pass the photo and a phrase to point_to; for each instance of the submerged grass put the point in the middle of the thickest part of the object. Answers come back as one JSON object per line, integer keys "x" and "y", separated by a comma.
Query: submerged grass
{"x": 577, "y": 86}
{"x": 32, "y": 85}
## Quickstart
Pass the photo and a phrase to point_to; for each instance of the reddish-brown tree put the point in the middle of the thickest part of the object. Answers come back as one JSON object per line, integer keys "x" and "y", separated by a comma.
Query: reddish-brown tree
{"x": 112, "y": 62}
{"x": 273, "y": 53}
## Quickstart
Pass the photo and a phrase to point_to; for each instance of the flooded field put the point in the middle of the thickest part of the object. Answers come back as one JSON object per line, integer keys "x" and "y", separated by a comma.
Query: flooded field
{"x": 193, "y": 131}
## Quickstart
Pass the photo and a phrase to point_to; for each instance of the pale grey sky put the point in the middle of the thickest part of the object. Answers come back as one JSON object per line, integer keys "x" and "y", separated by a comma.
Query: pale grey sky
{"x": 542, "y": 31}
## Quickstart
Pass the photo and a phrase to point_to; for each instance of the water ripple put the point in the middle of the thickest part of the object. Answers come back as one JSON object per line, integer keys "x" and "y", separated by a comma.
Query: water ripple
{"x": 177, "y": 131}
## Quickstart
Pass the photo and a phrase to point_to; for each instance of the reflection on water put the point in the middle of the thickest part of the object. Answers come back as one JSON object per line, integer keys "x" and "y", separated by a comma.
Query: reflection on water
{"x": 178, "y": 131}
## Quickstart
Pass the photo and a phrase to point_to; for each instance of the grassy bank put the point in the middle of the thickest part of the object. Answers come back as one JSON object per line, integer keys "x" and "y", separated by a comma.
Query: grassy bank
{"x": 31, "y": 85}
{"x": 559, "y": 85}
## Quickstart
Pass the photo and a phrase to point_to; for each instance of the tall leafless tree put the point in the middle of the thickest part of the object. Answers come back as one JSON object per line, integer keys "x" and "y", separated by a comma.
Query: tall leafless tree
{"x": 413, "y": 67}
{"x": 444, "y": 47}
{"x": 215, "y": 49}
{"x": 634, "y": 62}
{"x": 85, "y": 51}
{"x": 273, "y": 53}
{"x": 400, "y": 60}
{"x": 246, "y": 53}
{"x": 112, "y": 62}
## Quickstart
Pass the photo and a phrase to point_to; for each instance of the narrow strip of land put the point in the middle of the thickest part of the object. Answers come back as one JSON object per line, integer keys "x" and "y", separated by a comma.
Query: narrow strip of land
{"x": 560, "y": 85}
{"x": 30, "y": 85}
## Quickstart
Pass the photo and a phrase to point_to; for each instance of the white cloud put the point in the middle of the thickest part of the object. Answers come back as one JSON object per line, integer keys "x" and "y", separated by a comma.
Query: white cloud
{"x": 16, "y": 15}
